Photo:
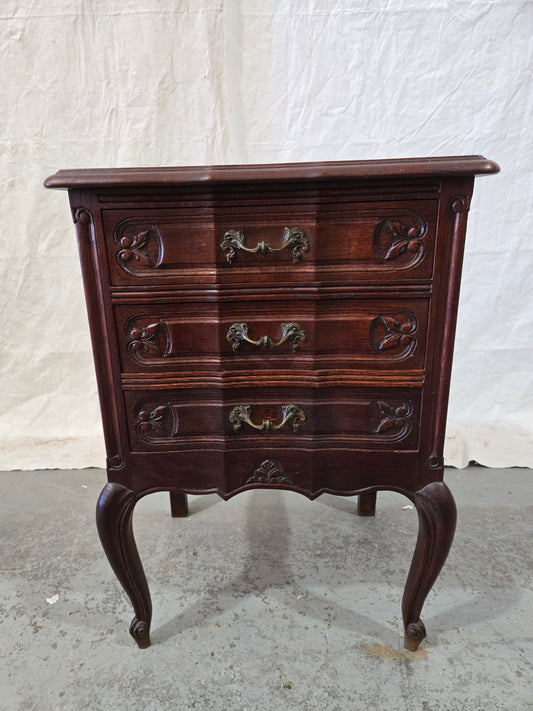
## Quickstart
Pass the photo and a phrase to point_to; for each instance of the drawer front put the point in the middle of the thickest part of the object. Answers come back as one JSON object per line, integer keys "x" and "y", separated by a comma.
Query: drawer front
{"x": 312, "y": 470}
{"x": 367, "y": 418}
{"x": 375, "y": 241}
{"x": 366, "y": 333}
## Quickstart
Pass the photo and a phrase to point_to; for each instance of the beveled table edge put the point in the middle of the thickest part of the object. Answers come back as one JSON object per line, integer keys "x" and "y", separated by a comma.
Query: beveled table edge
{"x": 198, "y": 175}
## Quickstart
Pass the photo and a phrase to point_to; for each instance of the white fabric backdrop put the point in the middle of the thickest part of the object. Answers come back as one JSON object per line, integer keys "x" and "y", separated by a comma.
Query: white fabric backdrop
{"x": 101, "y": 83}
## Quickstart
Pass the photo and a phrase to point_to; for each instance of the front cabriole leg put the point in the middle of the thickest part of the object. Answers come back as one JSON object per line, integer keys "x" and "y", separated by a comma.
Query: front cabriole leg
{"x": 114, "y": 522}
{"x": 437, "y": 516}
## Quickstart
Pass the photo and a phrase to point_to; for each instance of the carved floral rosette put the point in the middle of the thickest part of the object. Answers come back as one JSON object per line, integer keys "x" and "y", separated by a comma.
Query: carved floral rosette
{"x": 156, "y": 423}
{"x": 149, "y": 339}
{"x": 391, "y": 420}
{"x": 400, "y": 237}
{"x": 394, "y": 334}
{"x": 140, "y": 247}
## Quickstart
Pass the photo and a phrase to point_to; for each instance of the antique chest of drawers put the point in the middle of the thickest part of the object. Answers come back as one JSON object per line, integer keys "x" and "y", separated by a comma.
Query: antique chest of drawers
{"x": 286, "y": 326}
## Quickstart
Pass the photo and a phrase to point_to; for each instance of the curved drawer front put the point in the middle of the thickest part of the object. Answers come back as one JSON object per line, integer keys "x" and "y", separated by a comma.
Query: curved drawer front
{"x": 366, "y": 333}
{"x": 371, "y": 241}
{"x": 374, "y": 418}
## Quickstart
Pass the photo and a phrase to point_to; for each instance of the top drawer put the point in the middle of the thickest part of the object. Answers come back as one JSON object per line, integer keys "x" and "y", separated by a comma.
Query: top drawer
{"x": 374, "y": 242}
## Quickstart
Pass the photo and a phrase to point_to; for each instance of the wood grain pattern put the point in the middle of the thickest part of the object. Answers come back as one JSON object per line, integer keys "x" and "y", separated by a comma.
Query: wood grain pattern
{"x": 364, "y": 240}
{"x": 286, "y": 326}
{"x": 362, "y": 334}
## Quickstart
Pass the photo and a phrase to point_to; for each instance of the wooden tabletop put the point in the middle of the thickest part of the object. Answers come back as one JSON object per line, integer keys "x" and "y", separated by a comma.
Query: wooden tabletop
{"x": 136, "y": 177}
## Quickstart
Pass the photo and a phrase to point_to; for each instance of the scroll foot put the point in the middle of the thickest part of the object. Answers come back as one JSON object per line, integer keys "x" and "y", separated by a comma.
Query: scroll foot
{"x": 436, "y": 527}
{"x": 366, "y": 504}
{"x": 114, "y": 522}
{"x": 179, "y": 507}
{"x": 140, "y": 632}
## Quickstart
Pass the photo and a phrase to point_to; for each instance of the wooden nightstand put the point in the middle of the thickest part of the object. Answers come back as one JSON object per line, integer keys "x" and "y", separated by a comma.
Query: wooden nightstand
{"x": 285, "y": 326}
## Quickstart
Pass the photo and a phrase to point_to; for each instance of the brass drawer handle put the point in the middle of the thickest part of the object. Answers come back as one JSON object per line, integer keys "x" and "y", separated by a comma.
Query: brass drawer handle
{"x": 238, "y": 332}
{"x": 241, "y": 414}
{"x": 292, "y": 238}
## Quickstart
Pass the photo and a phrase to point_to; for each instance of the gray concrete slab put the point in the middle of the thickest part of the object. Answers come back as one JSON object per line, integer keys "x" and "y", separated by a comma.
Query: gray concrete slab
{"x": 266, "y": 602}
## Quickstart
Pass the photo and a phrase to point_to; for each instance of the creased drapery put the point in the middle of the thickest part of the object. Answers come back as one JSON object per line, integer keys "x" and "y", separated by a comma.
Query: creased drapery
{"x": 123, "y": 82}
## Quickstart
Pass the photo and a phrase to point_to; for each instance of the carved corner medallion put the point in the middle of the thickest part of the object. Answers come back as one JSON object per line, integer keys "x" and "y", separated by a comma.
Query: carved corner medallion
{"x": 268, "y": 472}
{"x": 156, "y": 424}
{"x": 390, "y": 333}
{"x": 435, "y": 461}
{"x": 82, "y": 216}
{"x": 400, "y": 235}
{"x": 391, "y": 420}
{"x": 460, "y": 203}
{"x": 149, "y": 339}
{"x": 140, "y": 250}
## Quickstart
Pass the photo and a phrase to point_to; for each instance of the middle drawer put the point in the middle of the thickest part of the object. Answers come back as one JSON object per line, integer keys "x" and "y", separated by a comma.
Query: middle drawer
{"x": 362, "y": 333}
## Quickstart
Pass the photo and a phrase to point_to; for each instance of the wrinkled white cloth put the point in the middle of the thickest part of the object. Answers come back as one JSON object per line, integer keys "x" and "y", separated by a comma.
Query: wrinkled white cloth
{"x": 107, "y": 83}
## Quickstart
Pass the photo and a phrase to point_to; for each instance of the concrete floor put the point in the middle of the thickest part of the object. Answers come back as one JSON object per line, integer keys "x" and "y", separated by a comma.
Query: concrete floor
{"x": 267, "y": 602}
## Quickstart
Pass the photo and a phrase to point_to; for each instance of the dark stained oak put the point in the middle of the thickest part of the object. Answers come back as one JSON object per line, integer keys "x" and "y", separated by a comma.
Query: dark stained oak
{"x": 113, "y": 519}
{"x": 274, "y": 326}
{"x": 437, "y": 516}
{"x": 147, "y": 177}
{"x": 366, "y": 504}
{"x": 179, "y": 506}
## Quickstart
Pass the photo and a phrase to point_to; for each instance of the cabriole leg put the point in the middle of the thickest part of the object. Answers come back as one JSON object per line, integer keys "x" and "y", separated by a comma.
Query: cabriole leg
{"x": 366, "y": 504}
{"x": 179, "y": 507}
{"x": 114, "y": 522}
{"x": 437, "y": 516}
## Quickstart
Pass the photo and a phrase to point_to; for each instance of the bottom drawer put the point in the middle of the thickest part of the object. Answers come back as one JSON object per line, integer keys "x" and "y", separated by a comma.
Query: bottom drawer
{"x": 367, "y": 418}
{"x": 309, "y": 470}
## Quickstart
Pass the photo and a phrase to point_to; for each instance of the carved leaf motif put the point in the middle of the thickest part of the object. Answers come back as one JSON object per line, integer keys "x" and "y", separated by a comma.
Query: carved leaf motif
{"x": 269, "y": 472}
{"x": 397, "y": 248}
{"x": 143, "y": 247}
{"x": 152, "y": 339}
{"x": 138, "y": 243}
{"x": 394, "y": 237}
{"x": 158, "y": 423}
{"x": 389, "y": 341}
{"x": 386, "y": 417}
{"x": 150, "y": 330}
{"x": 387, "y": 332}
{"x": 390, "y": 322}
{"x": 158, "y": 414}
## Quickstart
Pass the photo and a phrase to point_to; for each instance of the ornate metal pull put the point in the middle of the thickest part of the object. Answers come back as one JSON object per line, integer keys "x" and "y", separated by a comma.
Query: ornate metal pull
{"x": 241, "y": 414}
{"x": 292, "y": 238}
{"x": 291, "y": 332}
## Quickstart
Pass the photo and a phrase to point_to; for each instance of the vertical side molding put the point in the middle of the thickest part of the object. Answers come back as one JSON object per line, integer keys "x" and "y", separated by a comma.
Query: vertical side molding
{"x": 451, "y": 233}
{"x": 459, "y": 206}
{"x": 95, "y": 301}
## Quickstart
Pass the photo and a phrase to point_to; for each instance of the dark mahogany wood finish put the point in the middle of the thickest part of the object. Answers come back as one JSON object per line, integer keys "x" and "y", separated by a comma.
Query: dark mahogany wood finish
{"x": 285, "y": 326}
